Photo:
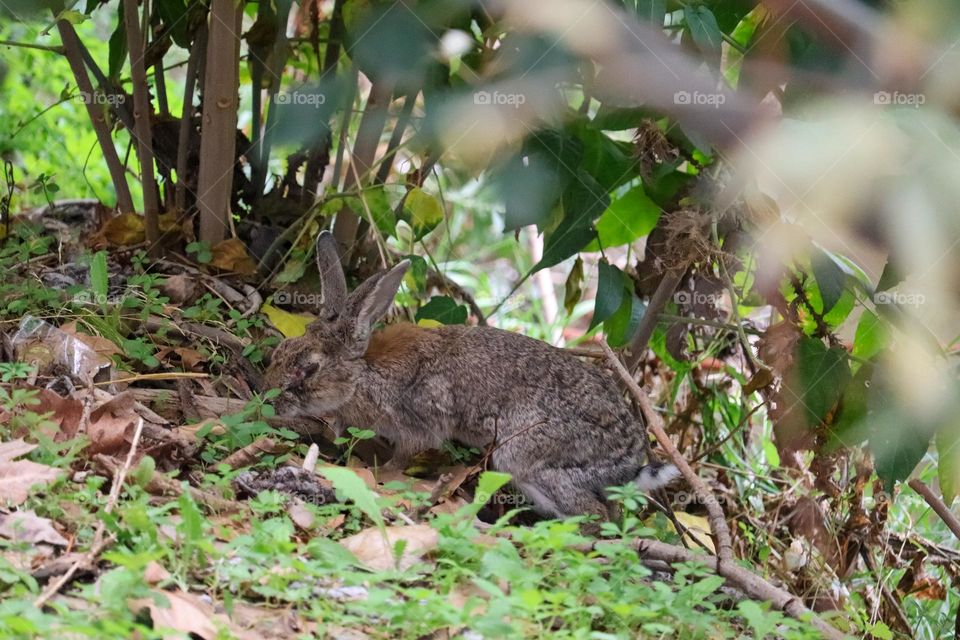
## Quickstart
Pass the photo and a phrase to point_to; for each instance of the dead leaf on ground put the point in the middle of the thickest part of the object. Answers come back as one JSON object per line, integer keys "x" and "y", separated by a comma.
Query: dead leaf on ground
{"x": 154, "y": 573}
{"x": 17, "y": 477}
{"x": 109, "y": 424}
{"x": 376, "y": 552}
{"x": 67, "y": 413}
{"x": 185, "y": 613}
{"x": 106, "y": 348}
{"x": 231, "y": 255}
{"x": 190, "y": 359}
{"x": 263, "y": 623}
{"x": 698, "y": 529}
{"x": 180, "y": 288}
{"x": 124, "y": 230}
{"x": 27, "y": 526}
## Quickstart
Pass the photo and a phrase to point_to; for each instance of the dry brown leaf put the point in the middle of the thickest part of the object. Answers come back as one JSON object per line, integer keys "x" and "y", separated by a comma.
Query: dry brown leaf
{"x": 231, "y": 255}
{"x": 67, "y": 413}
{"x": 180, "y": 288}
{"x": 376, "y": 552}
{"x": 698, "y": 529}
{"x": 27, "y": 526}
{"x": 301, "y": 515}
{"x": 154, "y": 573}
{"x": 109, "y": 424}
{"x": 17, "y": 477}
{"x": 263, "y": 623}
{"x": 185, "y": 613}
{"x": 124, "y": 230}
{"x": 106, "y": 348}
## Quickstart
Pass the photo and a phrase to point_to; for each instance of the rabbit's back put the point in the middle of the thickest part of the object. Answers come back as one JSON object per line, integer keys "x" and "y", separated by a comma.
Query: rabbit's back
{"x": 540, "y": 406}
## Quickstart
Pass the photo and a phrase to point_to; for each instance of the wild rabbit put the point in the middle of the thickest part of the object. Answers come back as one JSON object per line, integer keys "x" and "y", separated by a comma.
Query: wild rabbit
{"x": 556, "y": 424}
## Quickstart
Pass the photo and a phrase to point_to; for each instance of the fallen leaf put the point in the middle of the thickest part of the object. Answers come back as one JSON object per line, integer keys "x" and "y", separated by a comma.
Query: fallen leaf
{"x": 67, "y": 413}
{"x": 301, "y": 515}
{"x": 17, "y": 477}
{"x": 109, "y": 423}
{"x": 377, "y": 552}
{"x": 180, "y": 288}
{"x": 698, "y": 529}
{"x": 183, "y": 612}
{"x": 291, "y": 325}
{"x": 190, "y": 359}
{"x": 124, "y": 230}
{"x": 155, "y": 573}
{"x": 231, "y": 255}
{"x": 27, "y": 526}
{"x": 106, "y": 348}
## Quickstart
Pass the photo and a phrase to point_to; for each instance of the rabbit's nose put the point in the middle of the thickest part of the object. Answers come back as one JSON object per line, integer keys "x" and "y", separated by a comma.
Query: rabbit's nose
{"x": 301, "y": 374}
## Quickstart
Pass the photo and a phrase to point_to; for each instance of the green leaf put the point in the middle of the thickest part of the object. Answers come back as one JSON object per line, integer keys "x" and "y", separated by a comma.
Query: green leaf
{"x": 425, "y": 211}
{"x": 444, "y": 310}
{"x": 174, "y": 16}
{"x": 704, "y": 30}
{"x": 823, "y": 374}
{"x": 872, "y": 336}
{"x": 348, "y": 483}
{"x": 583, "y": 201}
{"x": 830, "y": 279}
{"x": 488, "y": 484}
{"x": 378, "y": 203}
{"x": 118, "y": 47}
{"x": 573, "y": 287}
{"x": 610, "y": 162}
{"x": 99, "y": 277}
{"x": 610, "y": 292}
{"x": 890, "y": 277}
{"x": 623, "y": 324}
{"x": 631, "y": 216}
{"x": 948, "y": 469}
{"x": 72, "y": 16}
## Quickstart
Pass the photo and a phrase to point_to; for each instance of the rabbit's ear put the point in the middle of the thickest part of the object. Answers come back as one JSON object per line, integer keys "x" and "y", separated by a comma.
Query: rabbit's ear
{"x": 371, "y": 301}
{"x": 332, "y": 281}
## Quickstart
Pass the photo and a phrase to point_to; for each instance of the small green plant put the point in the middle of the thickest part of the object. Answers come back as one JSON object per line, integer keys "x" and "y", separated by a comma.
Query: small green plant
{"x": 205, "y": 309}
{"x": 45, "y": 186}
{"x": 242, "y": 428}
{"x": 10, "y": 371}
{"x": 141, "y": 350}
{"x": 200, "y": 252}
{"x": 355, "y": 437}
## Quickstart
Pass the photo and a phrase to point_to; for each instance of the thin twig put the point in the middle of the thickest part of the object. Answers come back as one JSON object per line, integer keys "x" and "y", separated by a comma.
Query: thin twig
{"x": 718, "y": 523}
{"x": 938, "y": 505}
{"x": 658, "y": 301}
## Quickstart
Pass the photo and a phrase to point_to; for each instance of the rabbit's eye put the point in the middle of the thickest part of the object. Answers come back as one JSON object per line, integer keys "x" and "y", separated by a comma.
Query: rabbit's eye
{"x": 310, "y": 369}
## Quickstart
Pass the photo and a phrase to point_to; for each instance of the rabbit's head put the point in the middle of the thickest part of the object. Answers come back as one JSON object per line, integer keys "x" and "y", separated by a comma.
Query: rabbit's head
{"x": 319, "y": 372}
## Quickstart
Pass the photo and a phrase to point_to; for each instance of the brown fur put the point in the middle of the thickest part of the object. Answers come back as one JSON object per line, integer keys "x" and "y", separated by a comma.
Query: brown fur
{"x": 558, "y": 425}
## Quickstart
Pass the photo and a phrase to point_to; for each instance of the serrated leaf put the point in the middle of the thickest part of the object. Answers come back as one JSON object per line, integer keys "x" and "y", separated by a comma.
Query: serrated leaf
{"x": 99, "y": 277}
{"x": 442, "y": 309}
{"x": 348, "y": 483}
{"x": 610, "y": 292}
{"x": 291, "y": 325}
{"x": 424, "y": 210}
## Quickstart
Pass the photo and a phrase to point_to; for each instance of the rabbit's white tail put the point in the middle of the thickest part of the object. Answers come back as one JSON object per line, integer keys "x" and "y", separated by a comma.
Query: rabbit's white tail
{"x": 656, "y": 475}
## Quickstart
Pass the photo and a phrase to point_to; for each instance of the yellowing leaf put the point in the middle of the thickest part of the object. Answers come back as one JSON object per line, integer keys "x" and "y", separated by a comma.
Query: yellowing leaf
{"x": 291, "y": 325}
{"x": 698, "y": 529}
{"x": 231, "y": 255}
{"x": 425, "y": 211}
{"x": 125, "y": 229}
{"x": 429, "y": 323}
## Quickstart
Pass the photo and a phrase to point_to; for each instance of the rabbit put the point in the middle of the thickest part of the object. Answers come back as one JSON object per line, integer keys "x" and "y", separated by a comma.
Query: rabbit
{"x": 557, "y": 425}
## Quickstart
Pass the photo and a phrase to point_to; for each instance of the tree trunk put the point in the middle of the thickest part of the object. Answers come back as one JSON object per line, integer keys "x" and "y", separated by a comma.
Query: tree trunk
{"x": 218, "y": 139}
